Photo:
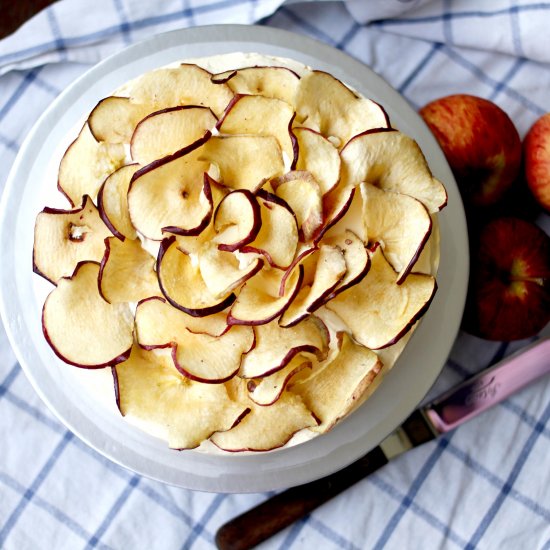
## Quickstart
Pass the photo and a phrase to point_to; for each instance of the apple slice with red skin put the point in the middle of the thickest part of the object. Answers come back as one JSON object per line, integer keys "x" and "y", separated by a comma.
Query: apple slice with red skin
{"x": 265, "y": 391}
{"x": 303, "y": 194}
{"x": 509, "y": 295}
{"x": 276, "y": 82}
{"x": 356, "y": 257}
{"x": 330, "y": 268}
{"x": 155, "y": 327}
{"x": 148, "y": 387}
{"x": 400, "y": 222}
{"x": 297, "y": 311}
{"x": 165, "y": 132}
{"x": 326, "y": 105}
{"x": 277, "y": 346}
{"x": 351, "y": 219}
{"x": 187, "y": 84}
{"x": 114, "y": 119}
{"x": 127, "y": 272}
{"x": 332, "y": 392}
{"x": 202, "y": 348}
{"x": 168, "y": 196}
{"x": 62, "y": 238}
{"x": 81, "y": 327}
{"x": 259, "y": 300}
{"x": 237, "y": 220}
{"x": 112, "y": 202}
{"x": 221, "y": 271}
{"x": 278, "y": 237}
{"x": 260, "y": 116}
{"x": 244, "y": 162}
{"x": 182, "y": 284}
{"x": 264, "y": 428}
{"x": 336, "y": 204}
{"x": 99, "y": 159}
{"x": 391, "y": 161}
{"x": 317, "y": 155}
{"x": 303, "y": 257}
{"x": 193, "y": 244}
{"x": 377, "y": 310}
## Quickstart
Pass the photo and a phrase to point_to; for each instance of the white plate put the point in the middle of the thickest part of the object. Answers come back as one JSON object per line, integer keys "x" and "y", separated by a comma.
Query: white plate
{"x": 24, "y": 196}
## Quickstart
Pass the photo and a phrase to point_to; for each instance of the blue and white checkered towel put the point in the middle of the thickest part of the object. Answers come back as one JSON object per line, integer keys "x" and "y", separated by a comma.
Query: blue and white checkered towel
{"x": 486, "y": 486}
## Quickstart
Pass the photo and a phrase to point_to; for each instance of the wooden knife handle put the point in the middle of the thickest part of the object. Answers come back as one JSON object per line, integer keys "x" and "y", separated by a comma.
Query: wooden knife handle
{"x": 280, "y": 511}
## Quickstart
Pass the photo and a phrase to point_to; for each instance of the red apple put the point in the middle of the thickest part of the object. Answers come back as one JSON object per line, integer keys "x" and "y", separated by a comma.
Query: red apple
{"x": 480, "y": 142}
{"x": 509, "y": 296}
{"x": 536, "y": 148}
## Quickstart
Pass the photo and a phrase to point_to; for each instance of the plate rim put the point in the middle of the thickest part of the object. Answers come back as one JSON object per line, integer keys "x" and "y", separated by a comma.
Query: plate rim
{"x": 281, "y": 473}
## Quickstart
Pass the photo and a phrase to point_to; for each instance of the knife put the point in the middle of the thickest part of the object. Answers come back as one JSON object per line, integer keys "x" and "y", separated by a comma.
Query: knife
{"x": 453, "y": 408}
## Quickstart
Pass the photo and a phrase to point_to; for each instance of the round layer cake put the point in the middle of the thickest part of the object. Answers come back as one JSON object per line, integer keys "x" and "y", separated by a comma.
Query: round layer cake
{"x": 248, "y": 247}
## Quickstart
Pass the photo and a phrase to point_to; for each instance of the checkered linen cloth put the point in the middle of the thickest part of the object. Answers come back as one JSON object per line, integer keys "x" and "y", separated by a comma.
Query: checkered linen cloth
{"x": 486, "y": 486}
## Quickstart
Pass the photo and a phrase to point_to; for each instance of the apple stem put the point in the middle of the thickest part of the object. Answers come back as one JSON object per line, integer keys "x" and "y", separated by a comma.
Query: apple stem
{"x": 537, "y": 280}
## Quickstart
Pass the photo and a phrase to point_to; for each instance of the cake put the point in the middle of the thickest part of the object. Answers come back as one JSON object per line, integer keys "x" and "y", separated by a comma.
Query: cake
{"x": 249, "y": 246}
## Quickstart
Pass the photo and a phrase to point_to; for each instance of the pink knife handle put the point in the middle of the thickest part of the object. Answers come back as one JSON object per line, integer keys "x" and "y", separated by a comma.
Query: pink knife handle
{"x": 479, "y": 393}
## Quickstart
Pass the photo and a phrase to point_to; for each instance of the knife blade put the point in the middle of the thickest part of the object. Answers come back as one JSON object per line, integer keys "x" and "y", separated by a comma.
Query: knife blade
{"x": 461, "y": 403}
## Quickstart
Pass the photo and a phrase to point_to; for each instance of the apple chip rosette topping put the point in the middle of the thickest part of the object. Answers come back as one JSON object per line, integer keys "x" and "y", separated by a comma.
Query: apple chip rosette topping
{"x": 246, "y": 242}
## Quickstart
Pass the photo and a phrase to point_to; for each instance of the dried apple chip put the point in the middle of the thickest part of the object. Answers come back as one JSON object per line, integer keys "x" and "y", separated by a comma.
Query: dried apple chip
{"x": 81, "y": 327}
{"x": 261, "y": 116}
{"x": 237, "y": 220}
{"x": 356, "y": 257}
{"x": 99, "y": 159}
{"x": 181, "y": 282}
{"x": 330, "y": 268}
{"x": 222, "y": 272}
{"x": 62, "y": 238}
{"x": 265, "y": 428}
{"x": 277, "y": 82}
{"x": 336, "y": 203}
{"x": 114, "y": 119}
{"x": 244, "y": 162}
{"x": 302, "y": 193}
{"x": 186, "y": 84}
{"x": 277, "y": 238}
{"x": 127, "y": 272}
{"x": 172, "y": 196}
{"x": 377, "y": 310}
{"x": 261, "y": 300}
{"x": 317, "y": 155}
{"x": 324, "y": 104}
{"x": 276, "y": 346}
{"x": 112, "y": 202}
{"x": 192, "y": 244}
{"x": 332, "y": 391}
{"x": 305, "y": 256}
{"x": 265, "y": 391}
{"x": 165, "y": 132}
{"x": 204, "y": 350}
{"x": 400, "y": 222}
{"x": 392, "y": 161}
{"x": 156, "y": 332}
{"x": 185, "y": 413}
{"x": 351, "y": 218}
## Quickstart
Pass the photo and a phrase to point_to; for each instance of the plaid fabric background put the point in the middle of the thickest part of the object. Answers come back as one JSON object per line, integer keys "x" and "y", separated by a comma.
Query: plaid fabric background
{"x": 486, "y": 486}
